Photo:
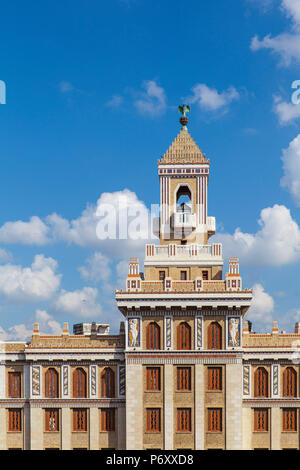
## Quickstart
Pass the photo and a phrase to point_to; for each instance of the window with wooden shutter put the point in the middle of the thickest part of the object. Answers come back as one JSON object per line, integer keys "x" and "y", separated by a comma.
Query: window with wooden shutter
{"x": 184, "y": 419}
{"x": 214, "y": 419}
{"x": 183, "y": 336}
{"x": 214, "y": 339}
{"x": 261, "y": 385}
{"x": 153, "y": 378}
{"x": 183, "y": 275}
{"x": 15, "y": 419}
{"x": 14, "y": 384}
{"x": 289, "y": 419}
{"x": 183, "y": 378}
{"x": 107, "y": 419}
{"x": 80, "y": 419}
{"x": 52, "y": 420}
{"x": 289, "y": 382}
{"x": 107, "y": 383}
{"x": 214, "y": 378}
{"x": 153, "y": 336}
{"x": 51, "y": 383}
{"x": 79, "y": 383}
{"x": 261, "y": 419}
{"x": 153, "y": 420}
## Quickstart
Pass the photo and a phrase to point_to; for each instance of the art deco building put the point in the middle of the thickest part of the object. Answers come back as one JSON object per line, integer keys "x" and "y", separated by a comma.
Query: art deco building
{"x": 185, "y": 371}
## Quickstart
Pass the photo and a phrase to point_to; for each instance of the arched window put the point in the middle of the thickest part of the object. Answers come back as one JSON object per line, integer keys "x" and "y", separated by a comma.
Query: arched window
{"x": 261, "y": 382}
{"x": 183, "y": 336}
{"x": 289, "y": 382}
{"x": 79, "y": 383}
{"x": 214, "y": 339}
{"x": 51, "y": 383}
{"x": 107, "y": 383}
{"x": 153, "y": 336}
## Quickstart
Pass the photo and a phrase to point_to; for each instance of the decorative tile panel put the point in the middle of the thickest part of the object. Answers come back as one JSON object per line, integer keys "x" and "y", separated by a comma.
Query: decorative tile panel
{"x": 275, "y": 380}
{"x": 168, "y": 332}
{"x": 199, "y": 332}
{"x": 246, "y": 383}
{"x": 36, "y": 372}
{"x": 234, "y": 334}
{"x": 65, "y": 380}
{"x": 122, "y": 383}
{"x": 93, "y": 380}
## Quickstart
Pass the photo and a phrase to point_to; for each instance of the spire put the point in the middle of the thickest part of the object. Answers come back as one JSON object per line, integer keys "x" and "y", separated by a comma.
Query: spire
{"x": 183, "y": 149}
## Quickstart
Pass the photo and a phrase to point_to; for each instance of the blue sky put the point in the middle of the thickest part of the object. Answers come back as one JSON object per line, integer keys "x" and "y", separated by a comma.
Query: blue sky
{"x": 92, "y": 91}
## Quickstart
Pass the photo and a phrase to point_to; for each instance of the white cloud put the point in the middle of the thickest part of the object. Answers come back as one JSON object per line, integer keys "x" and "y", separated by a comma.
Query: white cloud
{"x": 286, "y": 112}
{"x": 264, "y": 5}
{"x": 97, "y": 268}
{"x": 80, "y": 303}
{"x": 107, "y": 217}
{"x": 22, "y": 332}
{"x": 115, "y": 101}
{"x": 286, "y": 45}
{"x": 291, "y": 169}
{"x": 126, "y": 217}
{"x": 31, "y": 284}
{"x": 210, "y": 99}
{"x": 292, "y": 10}
{"x": 152, "y": 102}
{"x": 26, "y": 233}
{"x": 65, "y": 87}
{"x": 275, "y": 244}
{"x": 5, "y": 256}
{"x": 262, "y": 306}
{"x": 46, "y": 323}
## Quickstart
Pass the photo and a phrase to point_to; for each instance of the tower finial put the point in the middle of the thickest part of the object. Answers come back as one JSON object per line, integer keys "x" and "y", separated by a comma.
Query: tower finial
{"x": 183, "y": 109}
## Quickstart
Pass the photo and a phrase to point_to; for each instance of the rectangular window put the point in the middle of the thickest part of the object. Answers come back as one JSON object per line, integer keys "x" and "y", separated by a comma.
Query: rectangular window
{"x": 205, "y": 275}
{"x": 214, "y": 378}
{"x": 153, "y": 378}
{"x": 14, "y": 384}
{"x": 184, "y": 419}
{"x": 183, "y": 275}
{"x": 52, "y": 420}
{"x": 214, "y": 419}
{"x": 162, "y": 275}
{"x": 261, "y": 419}
{"x": 153, "y": 419}
{"x": 79, "y": 419}
{"x": 289, "y": 419}
{"x": 107, "y": 419}
{"x": 183, "y": 378}
{"x": 15, "y": 419}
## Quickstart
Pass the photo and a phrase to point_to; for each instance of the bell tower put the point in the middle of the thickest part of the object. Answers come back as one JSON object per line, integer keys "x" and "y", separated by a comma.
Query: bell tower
{"x": 183, "y": 320}
{"x": 183, "y": 174}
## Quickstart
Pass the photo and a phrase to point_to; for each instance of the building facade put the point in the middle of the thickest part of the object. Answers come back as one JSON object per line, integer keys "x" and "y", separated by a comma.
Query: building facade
{"x": 185, "y": 370}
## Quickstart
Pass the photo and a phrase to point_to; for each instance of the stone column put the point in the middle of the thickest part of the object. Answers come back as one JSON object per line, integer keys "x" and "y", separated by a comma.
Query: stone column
{"x": 247, "y": 428}
{"x": 233, "y": 419}
{"x": 275, "y": 428}
{"x": 66, "y": 428}
{"x": 36, "y": 429}
{"x": 168, "y": 407}
{"x": 121, "y": 429}
{"x": 199, "y": 407}
{"x": 26, "y": 427}
{"x": 94, "y": 429}
{"x": 2, "y": 381}
{"x": 134, "y": 406}
{"x": 3, "y": 428}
